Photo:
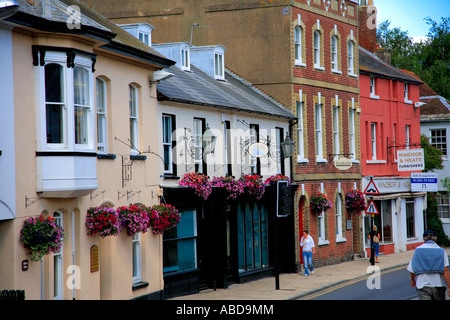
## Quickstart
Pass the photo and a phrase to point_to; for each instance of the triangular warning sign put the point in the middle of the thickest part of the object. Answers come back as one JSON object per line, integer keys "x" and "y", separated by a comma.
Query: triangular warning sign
{"x": 371, "y": 189}
{"x": 372, "y": 208}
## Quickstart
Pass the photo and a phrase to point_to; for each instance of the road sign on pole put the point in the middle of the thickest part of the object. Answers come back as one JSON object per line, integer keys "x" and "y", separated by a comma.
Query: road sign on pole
{"x": 372, "y": 208}
{"x": 371, "y": 189}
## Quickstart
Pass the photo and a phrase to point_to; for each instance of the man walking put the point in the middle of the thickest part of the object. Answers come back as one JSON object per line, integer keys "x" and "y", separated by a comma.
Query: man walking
{"x": 307, "y": 243}
{"x": 429, "y": 269}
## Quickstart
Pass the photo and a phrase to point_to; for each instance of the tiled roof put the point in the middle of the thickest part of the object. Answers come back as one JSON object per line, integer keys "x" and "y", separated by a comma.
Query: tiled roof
{"x": 371, "y": 64}
{"x": 196, "y": 87}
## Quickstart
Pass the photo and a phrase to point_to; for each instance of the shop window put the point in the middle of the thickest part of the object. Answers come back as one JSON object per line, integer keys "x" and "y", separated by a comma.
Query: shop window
{"x": 410, "y": 218}
{"x": 180, "y": 244}
{"x": 252, "y": 237}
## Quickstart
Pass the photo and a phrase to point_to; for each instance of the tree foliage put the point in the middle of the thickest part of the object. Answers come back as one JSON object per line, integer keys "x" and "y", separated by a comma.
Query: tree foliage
{"x": 429, "y": 59}
{"x": 432, "y": 156}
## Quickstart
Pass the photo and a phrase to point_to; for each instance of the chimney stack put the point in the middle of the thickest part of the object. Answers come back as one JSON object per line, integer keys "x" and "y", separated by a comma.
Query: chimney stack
{"x": 367, "y": 31}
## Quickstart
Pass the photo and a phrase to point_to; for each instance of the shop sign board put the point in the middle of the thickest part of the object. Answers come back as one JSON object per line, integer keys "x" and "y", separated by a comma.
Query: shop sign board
{"x": 426, "y": 181}
{"x": 410, "y": 160}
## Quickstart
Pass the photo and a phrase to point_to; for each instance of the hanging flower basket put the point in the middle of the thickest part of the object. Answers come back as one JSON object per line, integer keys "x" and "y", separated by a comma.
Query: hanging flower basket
{"x": 134, "y": 218}
{"x": 277, "y": 177}
{"x": 199, "y": 182}
{"x": 102, "y": 221}
{"x": 319, "y": 202}
{"x": 41, "y": 236}
{"x": 163, "y": 217}
{"x": 355, "y": 201}
{"x": 254, "y": 185}
{"x": 233, "y": 187}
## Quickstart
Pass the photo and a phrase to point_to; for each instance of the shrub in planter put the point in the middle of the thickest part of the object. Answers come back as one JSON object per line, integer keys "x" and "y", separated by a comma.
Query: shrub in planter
{"x": 163, "y": 217}
{"x": 41, "y": 236}
{"x": 102, "y": 221}
{"x": 319, "y": 202}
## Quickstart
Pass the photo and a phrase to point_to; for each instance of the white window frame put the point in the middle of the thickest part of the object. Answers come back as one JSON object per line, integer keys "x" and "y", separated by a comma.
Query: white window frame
{"x": 134, "y": 118}
{"x": 338, "y": 219}
{"x": 352, "y": 133}
{"x": 298, "y": 33}
{"x": 317, "y": 38}
{"x": 334, "y": 53}
{"x": 351, "y": 57}
{"x": 145, "y": 37}
{"x": 373, "y": 139}
{"x": 373, "y": 88}
{"x": 407, "y": 136}
{"x": 185, "y": 60}
{"x": 300, "y": 132}
{"x": 101, "y": 109}
{"x": 254, "y": 139}
{"x": 68, "y": 104}
{"x": 136, "y": 257}
{"x": 198, "y": 143}
{"x": 219, "y": 66}
{"x": 58, "y": 274}
{"x": 406, "y": 93}
{"x": 336, "y": 132}
{"x": 319, "y": 133}
{"x": 439, "y": 140}
{"x": 167, "y": 141}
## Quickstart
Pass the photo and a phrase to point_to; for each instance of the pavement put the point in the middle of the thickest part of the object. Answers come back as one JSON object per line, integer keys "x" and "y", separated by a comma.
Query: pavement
{"x": 295, "y": 285}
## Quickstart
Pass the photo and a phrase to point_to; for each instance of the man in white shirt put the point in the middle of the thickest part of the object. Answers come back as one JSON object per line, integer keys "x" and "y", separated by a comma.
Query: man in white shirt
{"x": 307, "y": 243}
{"x": 429, "y": 269}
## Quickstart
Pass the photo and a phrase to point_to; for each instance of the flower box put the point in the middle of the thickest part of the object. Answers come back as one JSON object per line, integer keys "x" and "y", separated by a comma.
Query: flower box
{"x": 233, "y": 187}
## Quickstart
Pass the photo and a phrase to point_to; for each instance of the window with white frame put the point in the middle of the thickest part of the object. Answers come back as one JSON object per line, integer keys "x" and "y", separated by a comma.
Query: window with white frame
{"x": 318, "y": 125}
{"x": 66, "y": 116}
{"x": 198, "y": 145}
{"x": 136, "y": 257}
{"x": 321, "y": 220}
{"x": 373, "y": 139}
{"x": 373, "y": 89}
{"x": 255, "y": 166}
{"x": 316, "y": 48}
{"x": 352, "y": 133}
{"x": 407, "y": 136}
{"x": 185, "y": 58}
{"x": 219, "y": 66}
{"x": 300, "y": 132}
{"x": 336, "y": 133}
{"x": 58, "y": 278}
{"x": 167, "y": 128}
{"x": 443, "y": 201}
{"x": 338, "y": 218}
{"x": 102, "y": 128}
{"x": 334, "y": 53}
{"x": 278, "y": 151}
{"x": 227, "y": 147}
{"x": 351, "y": 57}
{"x": 298, "y": 45}
{"x": 134, "y": 123}
{"x": 394, "y": 140}
{"x": 145, "y": 37}
{"x": 438, "y": 139}
{"x": 406, "y": 93}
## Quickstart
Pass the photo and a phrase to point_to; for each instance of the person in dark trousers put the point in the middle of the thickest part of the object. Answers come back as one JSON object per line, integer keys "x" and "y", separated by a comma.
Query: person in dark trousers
{"x": 374, "y": 236}
{"x": 429, "y": 269}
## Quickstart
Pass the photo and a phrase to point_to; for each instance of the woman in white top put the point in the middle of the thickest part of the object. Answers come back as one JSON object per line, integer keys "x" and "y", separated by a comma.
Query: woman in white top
{"x": 307, "y": 243}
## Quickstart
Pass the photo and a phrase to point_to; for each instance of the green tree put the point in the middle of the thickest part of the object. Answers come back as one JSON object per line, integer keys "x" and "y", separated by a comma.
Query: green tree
{"x": 432, "y": 156}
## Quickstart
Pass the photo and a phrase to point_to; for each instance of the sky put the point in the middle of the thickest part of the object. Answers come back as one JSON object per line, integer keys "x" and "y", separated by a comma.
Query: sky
{"x": 408, "y": 15}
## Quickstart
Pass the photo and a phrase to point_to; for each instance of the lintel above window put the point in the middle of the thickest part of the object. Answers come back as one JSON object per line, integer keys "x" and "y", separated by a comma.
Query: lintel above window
{"x": 38, "y": 53}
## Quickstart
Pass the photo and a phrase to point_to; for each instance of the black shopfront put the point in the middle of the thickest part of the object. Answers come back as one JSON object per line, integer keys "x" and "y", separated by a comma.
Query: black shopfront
{"x": 219, "y": 242}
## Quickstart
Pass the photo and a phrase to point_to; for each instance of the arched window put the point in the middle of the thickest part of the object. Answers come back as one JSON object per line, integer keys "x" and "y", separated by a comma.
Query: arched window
{"x": 334, "y": 53}
{"x": 316, "y": 45}
{"x": 351, "y": 55}
{"x": 298, "y": 45}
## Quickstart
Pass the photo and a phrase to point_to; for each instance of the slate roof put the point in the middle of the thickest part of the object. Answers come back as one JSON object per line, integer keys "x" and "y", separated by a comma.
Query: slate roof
{"x": 197, "y": 87}
{"x": 92, "y": 24}
{"x": 370, "y": 64}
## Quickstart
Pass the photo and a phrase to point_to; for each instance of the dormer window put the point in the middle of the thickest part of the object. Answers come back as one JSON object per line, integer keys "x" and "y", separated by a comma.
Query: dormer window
{"x": 145, "y": 37}
{"x": 218, "y": 65}
{"x": 185, "y": 58}
{"x": 142, "y": 31}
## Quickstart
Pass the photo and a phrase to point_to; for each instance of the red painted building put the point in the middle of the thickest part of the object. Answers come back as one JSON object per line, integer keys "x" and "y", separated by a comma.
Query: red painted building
{"x": 390, "y": 121}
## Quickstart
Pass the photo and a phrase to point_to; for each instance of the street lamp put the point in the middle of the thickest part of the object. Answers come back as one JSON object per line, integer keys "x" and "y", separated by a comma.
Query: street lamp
{"x": 209, "y": 140}
{"x": 8, "y": 8}
{"x": 287, "y": 146}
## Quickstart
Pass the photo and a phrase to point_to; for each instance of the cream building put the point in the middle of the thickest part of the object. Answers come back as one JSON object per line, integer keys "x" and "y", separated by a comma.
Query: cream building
{"x": 77, "y": 115}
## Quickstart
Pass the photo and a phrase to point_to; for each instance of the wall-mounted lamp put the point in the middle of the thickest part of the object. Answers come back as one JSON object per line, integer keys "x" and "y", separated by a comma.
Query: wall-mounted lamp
{"x": 287, "y": 146}
{"x": 8, "y": 8}
{"x": 209, "y": 140}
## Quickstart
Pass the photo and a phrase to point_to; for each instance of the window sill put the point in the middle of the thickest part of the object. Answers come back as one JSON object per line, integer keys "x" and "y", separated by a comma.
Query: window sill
{"x": 336, "y": 71}
{"x": 353, "y": 75}
{"x": 299, "y": 64}
{"x": 375, "y": 161}
{"x": 320, "y": 160}
{"x": 107, "y": 156}
{"x": 319, "y": 68}
{"x": 372, "y": 96}
{"x": 323, "y": 242}
{"x": 338, "y": 240}
{"x": 170, "y": 177}
{"x": 408, "y": 101}
{"x": 302, "y": 160}
{"x": 138, "y": 157}
{"x": 139, "y": 285}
